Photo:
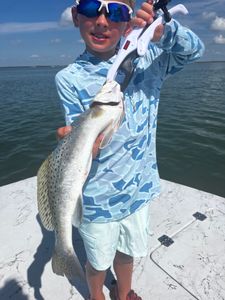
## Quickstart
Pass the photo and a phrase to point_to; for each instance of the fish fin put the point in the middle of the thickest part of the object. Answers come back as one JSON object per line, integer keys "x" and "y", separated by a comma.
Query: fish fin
{"x": 44, "y": 206}
{"x": 67, "y": 264}
{"x": 107, "y": 136}
{"x": 78, "y": 212}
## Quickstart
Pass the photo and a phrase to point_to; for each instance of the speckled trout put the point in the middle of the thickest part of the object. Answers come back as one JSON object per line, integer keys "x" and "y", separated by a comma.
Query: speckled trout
{"x": 62, "y": 175}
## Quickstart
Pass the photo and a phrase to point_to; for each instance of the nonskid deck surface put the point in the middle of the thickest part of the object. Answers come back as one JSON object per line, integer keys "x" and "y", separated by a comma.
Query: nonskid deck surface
{"x": 187, "y": 263}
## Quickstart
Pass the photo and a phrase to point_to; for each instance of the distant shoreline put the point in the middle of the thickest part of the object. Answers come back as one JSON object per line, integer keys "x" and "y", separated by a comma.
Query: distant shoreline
{"x": 33, "y": 67}
{"x": 61, "y": 66}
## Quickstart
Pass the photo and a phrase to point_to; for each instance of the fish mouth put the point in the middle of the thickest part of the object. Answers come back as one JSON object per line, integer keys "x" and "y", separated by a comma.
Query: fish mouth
{"x": 96, "y": 103}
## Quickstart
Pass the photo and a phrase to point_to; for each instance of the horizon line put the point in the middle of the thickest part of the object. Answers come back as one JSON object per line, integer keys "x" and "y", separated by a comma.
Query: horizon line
{"x": 62, "y": 65}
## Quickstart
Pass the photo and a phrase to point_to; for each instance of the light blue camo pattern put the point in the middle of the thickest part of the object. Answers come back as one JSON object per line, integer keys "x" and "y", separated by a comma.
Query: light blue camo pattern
{"x": 124, "y": 176}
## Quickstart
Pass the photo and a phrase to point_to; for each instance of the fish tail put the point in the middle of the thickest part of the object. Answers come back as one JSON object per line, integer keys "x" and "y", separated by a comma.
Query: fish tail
{"x": 67, "y": 264}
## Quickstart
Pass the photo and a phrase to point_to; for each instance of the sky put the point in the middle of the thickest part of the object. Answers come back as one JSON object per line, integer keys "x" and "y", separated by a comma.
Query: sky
{"x": 40, "y": 32}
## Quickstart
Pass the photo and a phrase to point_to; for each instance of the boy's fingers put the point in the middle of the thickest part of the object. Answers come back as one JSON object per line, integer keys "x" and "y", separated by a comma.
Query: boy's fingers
{"x": 144, "y": 15}
{"x": 137, "y": 22}
{"x": 147, "y": 7}
{"x": 158, "y": 33}
{"x": 63, "y": 131}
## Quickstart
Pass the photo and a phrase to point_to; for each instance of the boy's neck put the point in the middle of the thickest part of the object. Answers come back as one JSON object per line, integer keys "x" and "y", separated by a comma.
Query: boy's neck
{"x": 102, "y": 55}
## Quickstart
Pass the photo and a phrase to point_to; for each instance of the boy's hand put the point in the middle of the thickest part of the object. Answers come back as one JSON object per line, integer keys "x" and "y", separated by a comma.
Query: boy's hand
{"x": 63, "y": 131}
{"x": 145, "y": 16}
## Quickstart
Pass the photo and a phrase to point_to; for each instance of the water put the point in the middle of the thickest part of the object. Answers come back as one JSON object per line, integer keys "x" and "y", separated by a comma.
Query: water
{"x": 191, "y": 127}
{"x": 191, "y": 143}
{"x": 29, "y": 116}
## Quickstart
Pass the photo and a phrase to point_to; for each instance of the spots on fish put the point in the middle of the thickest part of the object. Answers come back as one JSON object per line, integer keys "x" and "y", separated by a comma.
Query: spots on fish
{"x": 43, "y": 190}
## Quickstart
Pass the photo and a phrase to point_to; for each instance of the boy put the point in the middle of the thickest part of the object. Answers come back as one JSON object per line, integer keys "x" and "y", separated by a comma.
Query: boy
{"x": 124, "y": 175}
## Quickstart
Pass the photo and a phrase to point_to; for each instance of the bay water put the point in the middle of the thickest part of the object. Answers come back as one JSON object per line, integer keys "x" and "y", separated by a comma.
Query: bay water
{"x": 190, "y": 136}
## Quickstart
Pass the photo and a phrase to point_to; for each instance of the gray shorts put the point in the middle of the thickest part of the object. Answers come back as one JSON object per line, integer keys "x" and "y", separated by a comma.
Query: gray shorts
{"x": 129, "y": 235}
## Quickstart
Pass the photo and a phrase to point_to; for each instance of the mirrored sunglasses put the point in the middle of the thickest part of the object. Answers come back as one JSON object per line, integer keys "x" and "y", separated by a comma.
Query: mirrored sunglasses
{"x": 115, "y": 11}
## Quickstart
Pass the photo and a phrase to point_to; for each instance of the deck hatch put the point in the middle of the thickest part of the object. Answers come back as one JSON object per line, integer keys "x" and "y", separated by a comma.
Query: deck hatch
{"x": 199, "y": 216}
{"x": 165, "y": 240}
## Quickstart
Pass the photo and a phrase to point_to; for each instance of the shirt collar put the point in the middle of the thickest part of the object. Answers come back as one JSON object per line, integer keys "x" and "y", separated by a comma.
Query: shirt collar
{"x": 96, "y": 60}
{"x": 93, "y": 64}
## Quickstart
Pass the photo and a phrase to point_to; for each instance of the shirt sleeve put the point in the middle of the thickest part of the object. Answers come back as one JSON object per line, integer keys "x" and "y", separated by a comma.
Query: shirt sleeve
{"x": 68, "y": 95}
{"x": 181, "y": 45}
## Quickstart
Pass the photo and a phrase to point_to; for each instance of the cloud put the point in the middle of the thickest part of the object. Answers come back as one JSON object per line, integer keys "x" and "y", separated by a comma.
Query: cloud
{"x": 66, "y": 18}
{"x": 219, "y": 39}
{"x": 27, "y": 27}
{"x": 16, "y": 42}
{"x": 209, "y": 15}
{"x": 55, "y": 41}
{"x": 34, "y": 56}
{"x": 64, "y": 22}
{"x": 218, "y": 24}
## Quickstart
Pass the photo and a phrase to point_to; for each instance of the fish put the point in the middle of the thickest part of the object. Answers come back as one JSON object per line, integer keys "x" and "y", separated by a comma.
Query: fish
{"x": 61, "y": 177}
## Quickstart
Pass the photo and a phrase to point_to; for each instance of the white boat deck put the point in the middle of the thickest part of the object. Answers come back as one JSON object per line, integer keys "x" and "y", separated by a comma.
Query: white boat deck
{"x": 190, "y": 266}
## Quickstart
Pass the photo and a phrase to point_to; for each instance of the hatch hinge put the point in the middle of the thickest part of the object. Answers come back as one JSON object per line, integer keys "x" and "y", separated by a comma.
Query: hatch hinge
{"x": 199, "y": 216}
{"x": 165, "y": 240}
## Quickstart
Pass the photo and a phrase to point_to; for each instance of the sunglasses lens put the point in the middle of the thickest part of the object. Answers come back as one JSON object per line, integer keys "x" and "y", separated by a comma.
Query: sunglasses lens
{"x": 88, "y": 8}
{"x": 117, "y": 12}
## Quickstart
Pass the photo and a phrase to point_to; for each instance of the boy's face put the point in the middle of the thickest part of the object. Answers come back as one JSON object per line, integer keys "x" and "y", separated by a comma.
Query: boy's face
{"x": 100, "y": 34}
